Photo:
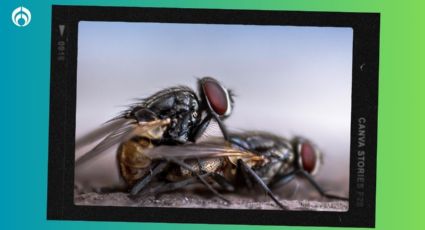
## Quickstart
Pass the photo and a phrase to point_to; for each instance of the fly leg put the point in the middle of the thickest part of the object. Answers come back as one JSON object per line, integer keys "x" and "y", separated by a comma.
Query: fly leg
{"x": 318, "y": 187}
{"x": 184, "y": 165}
{"x": 222, "y": 127}
{"x": 168, "y": 187}
{"x": 144, "y": 181}
{"x": 200, "y": 129}
{"x": 204, "y": 124}
{"x": 223, "y": 182}
{"x": 280, "y": 180}
{"x": 244, "y": 175}
{"x": 260, "y": 182}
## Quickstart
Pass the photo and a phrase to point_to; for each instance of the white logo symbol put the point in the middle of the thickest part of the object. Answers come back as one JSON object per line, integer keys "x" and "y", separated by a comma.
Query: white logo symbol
{"x": 21, "y": 16}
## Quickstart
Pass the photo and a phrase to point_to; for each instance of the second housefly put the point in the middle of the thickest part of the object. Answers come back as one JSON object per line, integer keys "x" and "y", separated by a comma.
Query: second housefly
{"x": 246, "y": 160}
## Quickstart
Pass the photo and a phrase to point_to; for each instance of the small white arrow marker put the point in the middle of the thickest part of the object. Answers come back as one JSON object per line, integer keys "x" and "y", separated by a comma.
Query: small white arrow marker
{"x": 61, "y": 29}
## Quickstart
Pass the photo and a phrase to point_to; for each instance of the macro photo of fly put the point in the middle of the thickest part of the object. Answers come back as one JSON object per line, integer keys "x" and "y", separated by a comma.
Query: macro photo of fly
{"x": 162, "y": 145}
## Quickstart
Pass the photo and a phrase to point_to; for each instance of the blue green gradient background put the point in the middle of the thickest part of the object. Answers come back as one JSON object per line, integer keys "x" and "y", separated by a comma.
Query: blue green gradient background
{"x": 24, "y": 96}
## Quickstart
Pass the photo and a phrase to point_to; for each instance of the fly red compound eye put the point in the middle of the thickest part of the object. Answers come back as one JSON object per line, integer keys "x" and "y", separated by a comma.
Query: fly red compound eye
{"x": 308, "y": 157}
{"x": 217, "y": 96}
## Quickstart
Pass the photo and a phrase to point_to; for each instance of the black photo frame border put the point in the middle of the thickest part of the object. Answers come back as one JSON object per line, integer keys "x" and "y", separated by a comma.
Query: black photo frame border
{"x": 60, "y": 202}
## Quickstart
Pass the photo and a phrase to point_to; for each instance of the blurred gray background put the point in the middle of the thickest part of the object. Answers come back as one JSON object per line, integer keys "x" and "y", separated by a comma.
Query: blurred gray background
{"x": 292, "y": 81}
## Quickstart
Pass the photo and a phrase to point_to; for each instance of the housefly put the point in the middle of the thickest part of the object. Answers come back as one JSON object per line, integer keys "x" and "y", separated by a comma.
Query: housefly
{"x": 284, "y": 159}
{"x": 177, "y": 113}
{"x": 249, "y": 159}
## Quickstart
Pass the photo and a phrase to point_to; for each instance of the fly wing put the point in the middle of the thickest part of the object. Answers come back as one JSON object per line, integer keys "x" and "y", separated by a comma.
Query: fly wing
{"x": 122, "y": 131}
{"x": 129, "y": 128}
{"x": 197, "y": 150}
{"x": 99, "y": 133}
{"x": 211, "y": 131}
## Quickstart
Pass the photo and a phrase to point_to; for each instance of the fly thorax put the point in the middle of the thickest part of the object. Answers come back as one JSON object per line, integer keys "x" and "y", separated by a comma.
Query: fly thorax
{"x": 184, "y": 117}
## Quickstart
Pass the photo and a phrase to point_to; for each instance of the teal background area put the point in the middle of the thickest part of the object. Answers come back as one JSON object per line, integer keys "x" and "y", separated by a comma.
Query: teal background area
{"x": 24, "y": 96}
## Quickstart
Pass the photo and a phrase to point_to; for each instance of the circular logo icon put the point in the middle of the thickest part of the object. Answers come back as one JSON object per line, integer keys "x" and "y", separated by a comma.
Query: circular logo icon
{"x": 21, "y": 16}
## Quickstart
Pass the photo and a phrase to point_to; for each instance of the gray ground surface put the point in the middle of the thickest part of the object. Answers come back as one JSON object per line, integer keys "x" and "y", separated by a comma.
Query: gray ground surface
{"x": 185, "y": 199}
